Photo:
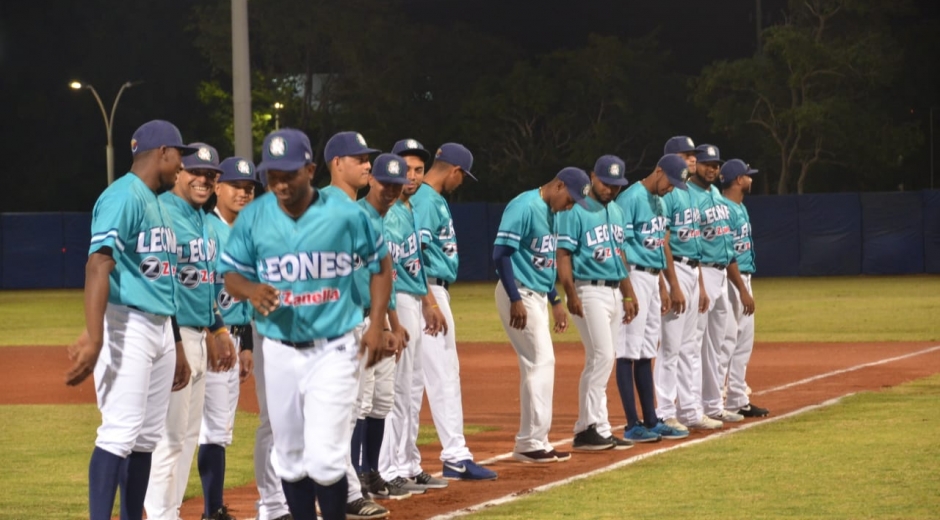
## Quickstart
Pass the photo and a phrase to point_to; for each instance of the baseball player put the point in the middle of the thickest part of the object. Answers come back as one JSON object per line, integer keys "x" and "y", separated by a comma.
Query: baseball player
{"x": 196, "y": 317}
{"x": 234, "y": 190}
{"x": 645, "y": 229}
{"x": 347, "y": 157}
{"x": 680, "y": 349}
{"x": 717, "y": 253}
{"x": 400, "y": 459}
{"x": 291, "y": 254}
{"x": 439, "y": 363}
{"x": 592, "y": 270}
{"x": 128, "y": 341}
{"x": 524, "y": 253}
{"x": 739, "y": 339}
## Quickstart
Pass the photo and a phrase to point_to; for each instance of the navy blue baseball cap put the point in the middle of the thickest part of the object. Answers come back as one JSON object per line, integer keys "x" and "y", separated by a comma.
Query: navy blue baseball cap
{"x": 345, "y": 144}
{"x": 456, "y": 154}
{"x": 389, "y": 168}
{"x": 676, "y": 169}
{"x": 679, "y": 144}
{"x": 205, "y": 158}
{"x": 735, "y": 168}
{"x": 411, "y": 147}
{"x": 154, "y": 134}
{"x": 577, "y": 182}
{"x": 707, "y": 153}
{"x": 286, "y": 150}
{"x": 610, "y": 170}
{"x": 236, "y": 169}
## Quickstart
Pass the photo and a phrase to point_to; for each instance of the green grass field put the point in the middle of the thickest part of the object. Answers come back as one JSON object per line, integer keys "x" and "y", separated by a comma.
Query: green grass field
{"x": 873, "y": 456}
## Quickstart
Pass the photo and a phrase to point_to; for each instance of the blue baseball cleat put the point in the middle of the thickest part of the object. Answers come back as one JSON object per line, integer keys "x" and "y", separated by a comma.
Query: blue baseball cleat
{"x": 467, "y": 470}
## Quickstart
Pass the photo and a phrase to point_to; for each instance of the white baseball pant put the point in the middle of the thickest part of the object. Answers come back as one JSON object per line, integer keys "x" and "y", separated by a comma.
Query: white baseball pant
{"x": 173, "y": 458}
{"x": 536, "y": 354}
{"x": 401, "y": 435}
{"x": 716, "y": 285}
{"x": 639, "y": 338}
{"x": 133, "y": 377}
{"x": 353, "y": 486}
{"x": 737, "y": 348}
{"x": 271, "y": 500}
{"x": 310, "y": 395}
{"x": 218, "y": 416}
{"x": 672, "y": 377}
{"x": 441, "y": 369}
{"x": 599, "y": 330}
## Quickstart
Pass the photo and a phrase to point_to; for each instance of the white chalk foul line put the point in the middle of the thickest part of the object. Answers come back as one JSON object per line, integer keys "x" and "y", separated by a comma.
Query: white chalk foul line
{"x": 632, "y": 460}
{"x": 514, "y": 496}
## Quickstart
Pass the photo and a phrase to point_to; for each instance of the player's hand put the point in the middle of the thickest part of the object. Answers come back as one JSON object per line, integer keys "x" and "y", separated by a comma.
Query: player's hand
{"x": 703, "y": 302}
{"x": 84, "y": 355}
{"x": 434, "y": 322}
{"x": 560, "y": 317}
{"x": 227, "y": 352}
{"x": 630, "y": 309}
{"x": 372, "y": 345}
{"x": 264, "y": 298}
{"x": 517, "y": 315}
{"x": 246, "y": 363}
{"x": 183, "y": 373}
{"x": 574, "y": 306}
{"x": 390, "y": 342}
{"x": 748, "y": 302}
{"x": 677, "y": 300}
{"x": 402, "y": 337}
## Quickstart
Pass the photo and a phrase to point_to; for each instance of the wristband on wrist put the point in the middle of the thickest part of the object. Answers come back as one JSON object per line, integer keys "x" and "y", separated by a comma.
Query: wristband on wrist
{"x": 628, "y": 299}
{"x": 220, "y": 331}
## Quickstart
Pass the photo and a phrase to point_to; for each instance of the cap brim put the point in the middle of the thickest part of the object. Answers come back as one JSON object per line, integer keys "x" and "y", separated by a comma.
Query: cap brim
{"x": 423, "y": 154}
{"x": 751, "y": 172}
{"x": 281, "y": 166}
{"x": 469, "y": 174}
{"x": 708, "y": 160}
{"x": 678, "y": 184}
{"x": 191, "y": 167}
{"x": 186, "y": 150}
{"x": 620, "y": 181}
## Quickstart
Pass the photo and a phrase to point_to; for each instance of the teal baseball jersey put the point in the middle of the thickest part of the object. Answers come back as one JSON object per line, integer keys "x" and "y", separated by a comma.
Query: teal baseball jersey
{"x": 310, "y": 261}
{"x": 528, "y": 225}
{"x": 715, "y": 223}
{"x": 361, "y": 274}
{"x": 743, "y": 241}
{"x": 196, "y": 250}
{"x": 436, "y": 229}
{"x": 644, "y": 225}
{"x": 683, "y": 214}
{"x": 130, "y": 220}
{"x": 404, "y": 246}
{"x": 234, "y": 311}
{"x": 594, "y": 236}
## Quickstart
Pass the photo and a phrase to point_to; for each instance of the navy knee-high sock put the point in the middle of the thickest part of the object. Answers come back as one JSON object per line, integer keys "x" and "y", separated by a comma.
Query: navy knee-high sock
{"x": 211, "y": 463}
{"x": 104, "y": 474}
{"x": 625, "y": 386}
{"x": 643, "y": 375}
{"x": 332, "y": 500}
{"x": 301, "y": 498}
{"x": 359, "y": 433}
{"x": 375, "y": 431}
{"x": 135, "y": 476}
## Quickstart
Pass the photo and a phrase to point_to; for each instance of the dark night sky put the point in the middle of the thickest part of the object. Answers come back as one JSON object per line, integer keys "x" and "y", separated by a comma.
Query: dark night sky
{"x": 44, "y": 45}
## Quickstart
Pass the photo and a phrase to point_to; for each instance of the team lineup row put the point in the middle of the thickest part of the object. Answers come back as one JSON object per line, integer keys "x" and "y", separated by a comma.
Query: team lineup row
{"x": 341, "y": 311}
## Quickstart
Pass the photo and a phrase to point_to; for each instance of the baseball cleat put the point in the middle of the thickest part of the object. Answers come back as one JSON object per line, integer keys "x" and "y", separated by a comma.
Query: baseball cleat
{"x": 618, "y": 443}
{"x": 467, "y": 470}
{"x": 752, "y": 410}
{"x": 407, "y": 485}
{"x": 706, "y": 423}
{"x": 727, "y": 416}
{"x": 537, "y": 456}
{"x": 364, "y": 509}
{"x": 590, "y": 440}
{"x": 640, "y": 433}
{"x": 425, "y": 479}
{"x": 674, "y": 423}
{"x": 668, "y": 432}
{"x": 380, "y": 489}
{"x": 560, "y": 456}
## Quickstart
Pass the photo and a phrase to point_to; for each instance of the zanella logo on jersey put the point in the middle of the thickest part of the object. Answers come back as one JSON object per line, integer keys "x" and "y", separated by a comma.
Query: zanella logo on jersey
{"x": 544, "y": 244}
{"x": 156, "y": 240}
{"x": 685, "y": 234}
{"x": 310, "y": 265}
{"x": 742, "y": 247}
{"x": 153, "y": 267}
{"x": 713, "y": 232}
{"x": 325, "y": 295}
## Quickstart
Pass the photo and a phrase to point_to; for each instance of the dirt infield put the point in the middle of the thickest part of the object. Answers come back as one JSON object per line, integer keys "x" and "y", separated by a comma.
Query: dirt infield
{"x": 490, "y": 381}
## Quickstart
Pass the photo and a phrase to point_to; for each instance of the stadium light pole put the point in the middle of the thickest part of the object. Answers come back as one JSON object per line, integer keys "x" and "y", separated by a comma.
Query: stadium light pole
{"x": 108, "y": 120}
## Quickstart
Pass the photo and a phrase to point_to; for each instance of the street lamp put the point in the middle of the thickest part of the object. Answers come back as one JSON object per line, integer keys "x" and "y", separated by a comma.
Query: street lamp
{"x": 277, "y": 115}
{"x": 108, "y": 120}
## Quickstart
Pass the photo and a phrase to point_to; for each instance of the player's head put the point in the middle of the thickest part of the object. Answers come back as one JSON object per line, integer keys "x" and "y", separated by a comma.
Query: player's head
{"x": 417, "y": 158}
{"x": 389, "y": 176}
{"x": 196, "y": 181}
{"x": 287, "y": 162}
{"x": 570, "y": 186}
{"x": 160, "y": 144}
{"x": 708, "y": 159}
{"x": 607, "y": 178}
{"x": 347, "y": 156}
{"x": 736, "y": 174}
{"x": 237, "y": 184}
{"x": 671, "y": 172}
{"x": 452, "y": 161}
{"x": 683, "y": 146}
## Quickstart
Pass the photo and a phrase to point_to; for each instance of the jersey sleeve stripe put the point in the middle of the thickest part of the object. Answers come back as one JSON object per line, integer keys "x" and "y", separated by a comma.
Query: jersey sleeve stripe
{"x": 628, "y": 226}
{"x": 236, "y": 264}
{"x": 568, "y": 239}
{"x": 506, "y": 234}
{"x": 112, "y": 233}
